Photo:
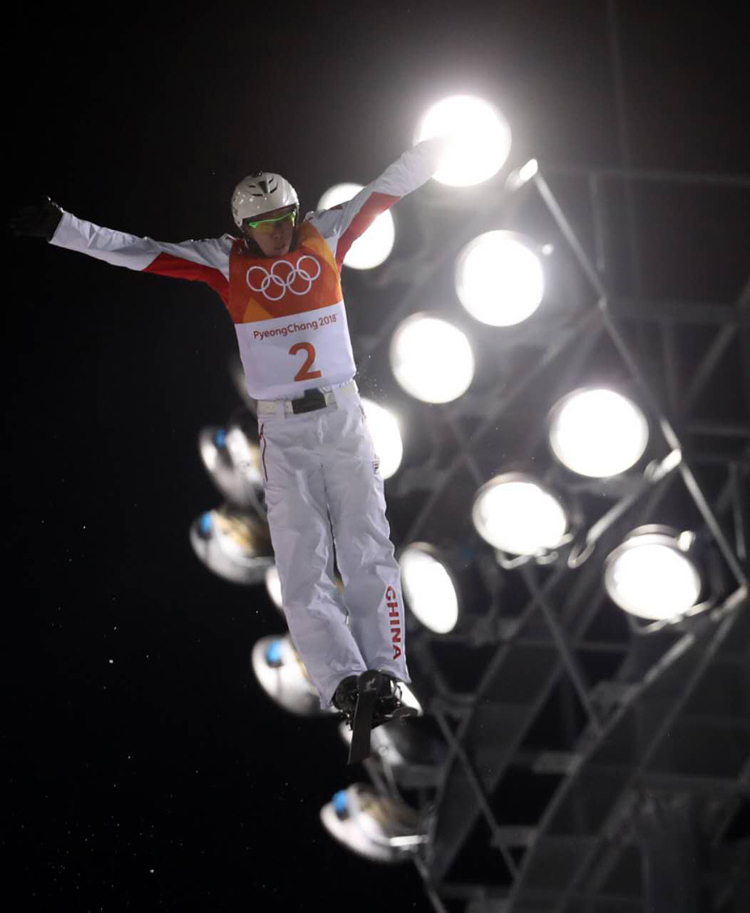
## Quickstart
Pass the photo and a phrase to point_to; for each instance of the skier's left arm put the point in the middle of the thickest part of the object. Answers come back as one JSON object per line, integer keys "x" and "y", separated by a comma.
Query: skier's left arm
{"x": 342, "y": 225}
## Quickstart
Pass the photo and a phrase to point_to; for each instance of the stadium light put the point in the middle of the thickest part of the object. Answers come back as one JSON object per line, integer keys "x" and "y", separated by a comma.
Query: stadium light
{"x": 499, "y": 278}
{"x": 273, "y": 586}
{"x": 405, "y": 747}
{"x": 653, "y": 575}
{"x": 516, "y": 514}
{"x": 282, "y": 675}
{"x": 234, "y": 464}
{"x": 234, "y": 545}
{"x": 429, "y": 587}
{"x": 597, "y": 432}
{"x": 481, "y": 143}
{"x": 375, "y": 245}
{"x": 372, "y": 826}
{"x": 386, "y": 436}
{"x": 431, "y": 359}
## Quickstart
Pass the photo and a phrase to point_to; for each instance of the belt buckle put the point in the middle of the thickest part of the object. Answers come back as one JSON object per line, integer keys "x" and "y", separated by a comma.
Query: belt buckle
{"x": 311, "y": 400}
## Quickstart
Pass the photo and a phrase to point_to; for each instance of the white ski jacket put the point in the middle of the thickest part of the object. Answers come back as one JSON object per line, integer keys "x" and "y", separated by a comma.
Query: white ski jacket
{"x": 273, "y": 302}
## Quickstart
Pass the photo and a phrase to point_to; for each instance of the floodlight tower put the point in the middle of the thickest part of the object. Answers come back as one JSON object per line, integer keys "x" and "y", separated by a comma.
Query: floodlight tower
{"x": 592, "y": 723}
{"x": 583, "y": 738}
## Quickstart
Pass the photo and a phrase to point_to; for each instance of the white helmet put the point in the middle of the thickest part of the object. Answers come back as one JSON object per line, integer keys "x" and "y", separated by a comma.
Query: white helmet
{"x": 259, "y": 193}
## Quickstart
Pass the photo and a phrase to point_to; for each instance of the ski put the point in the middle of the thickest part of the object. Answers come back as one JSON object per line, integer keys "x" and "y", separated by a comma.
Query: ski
{"x": 402, "y": 712}
{"x": 368, "y": 689}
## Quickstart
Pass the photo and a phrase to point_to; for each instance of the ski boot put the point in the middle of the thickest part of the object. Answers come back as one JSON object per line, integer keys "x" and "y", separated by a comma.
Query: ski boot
{"x": 367, "y": 701}
{"x": 345, "y": 698}
{"x": 389, "y": 705}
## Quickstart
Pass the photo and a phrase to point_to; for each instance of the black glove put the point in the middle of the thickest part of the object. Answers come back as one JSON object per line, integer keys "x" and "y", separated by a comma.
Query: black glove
{"x": 37, "y": 221}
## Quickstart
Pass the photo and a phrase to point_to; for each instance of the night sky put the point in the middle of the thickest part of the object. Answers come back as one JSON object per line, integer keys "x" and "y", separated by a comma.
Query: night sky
{"x": 146, "y": 769}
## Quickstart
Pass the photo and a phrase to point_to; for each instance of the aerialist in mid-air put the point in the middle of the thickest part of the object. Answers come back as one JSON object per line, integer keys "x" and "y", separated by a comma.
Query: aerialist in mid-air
{"x": 281, "y": 283}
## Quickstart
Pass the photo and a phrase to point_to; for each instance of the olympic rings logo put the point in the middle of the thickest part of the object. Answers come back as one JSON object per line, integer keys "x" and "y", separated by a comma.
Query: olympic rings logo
{"x": 275, "y": 280}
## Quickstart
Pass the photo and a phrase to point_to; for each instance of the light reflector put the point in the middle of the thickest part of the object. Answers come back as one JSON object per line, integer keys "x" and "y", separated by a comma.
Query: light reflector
{"x": 232, "y": 544}
{"x": 372, "y": 825}
{"x": 273, "y": 586}
{"x": 234, "y": 464}
{"x": 283, "y": 676}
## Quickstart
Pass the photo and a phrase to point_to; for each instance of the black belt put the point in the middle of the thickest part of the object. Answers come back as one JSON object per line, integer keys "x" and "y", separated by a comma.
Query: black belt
{"x": 311, "y": 400}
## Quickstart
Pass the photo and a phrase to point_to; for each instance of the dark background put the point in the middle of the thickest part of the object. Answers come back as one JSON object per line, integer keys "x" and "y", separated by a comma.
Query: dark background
{"x": 146, "y": 768}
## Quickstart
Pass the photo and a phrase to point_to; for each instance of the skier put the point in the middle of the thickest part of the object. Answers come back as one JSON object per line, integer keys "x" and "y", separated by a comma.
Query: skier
{"x": 281, "y": 283}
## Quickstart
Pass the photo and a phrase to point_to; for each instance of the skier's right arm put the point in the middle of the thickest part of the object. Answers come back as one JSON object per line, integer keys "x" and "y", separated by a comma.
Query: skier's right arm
{"x": 205, "y": 261}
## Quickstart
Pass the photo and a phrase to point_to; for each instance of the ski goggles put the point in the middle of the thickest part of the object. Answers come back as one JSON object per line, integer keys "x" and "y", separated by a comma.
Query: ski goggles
{"x": 267, "y": 226}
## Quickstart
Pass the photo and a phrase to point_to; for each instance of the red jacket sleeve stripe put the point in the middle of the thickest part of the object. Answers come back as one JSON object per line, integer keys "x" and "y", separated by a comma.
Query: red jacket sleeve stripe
{"x": 177, "y": 268}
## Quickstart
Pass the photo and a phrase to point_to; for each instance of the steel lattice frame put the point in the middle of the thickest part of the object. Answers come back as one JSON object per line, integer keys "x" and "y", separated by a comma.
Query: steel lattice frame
{"x": 657, "y": 747}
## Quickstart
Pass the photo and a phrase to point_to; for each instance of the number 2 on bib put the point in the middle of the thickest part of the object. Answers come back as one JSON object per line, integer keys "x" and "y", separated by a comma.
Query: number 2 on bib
{"x": 304, "y": 372}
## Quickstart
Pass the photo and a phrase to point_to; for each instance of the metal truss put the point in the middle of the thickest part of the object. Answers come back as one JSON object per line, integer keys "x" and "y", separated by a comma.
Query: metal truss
{"x": 592, "y": 765}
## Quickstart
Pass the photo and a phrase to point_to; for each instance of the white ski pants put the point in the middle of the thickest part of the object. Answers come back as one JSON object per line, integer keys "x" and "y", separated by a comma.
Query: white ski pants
{"x": 322, "y": 488}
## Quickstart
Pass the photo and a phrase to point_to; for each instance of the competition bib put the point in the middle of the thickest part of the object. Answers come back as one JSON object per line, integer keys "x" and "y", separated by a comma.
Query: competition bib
{"x": 290, "y": 320}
